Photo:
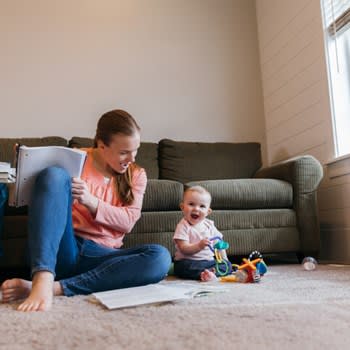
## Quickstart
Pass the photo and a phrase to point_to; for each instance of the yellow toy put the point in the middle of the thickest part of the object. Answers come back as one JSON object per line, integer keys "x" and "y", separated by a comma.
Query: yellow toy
{"x": 239, "y": 276}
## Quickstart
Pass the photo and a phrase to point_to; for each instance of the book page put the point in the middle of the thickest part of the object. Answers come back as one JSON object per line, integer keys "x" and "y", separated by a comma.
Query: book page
{"x": 32, "y": 160}
{"x": 135, "y": 296}
{"x": 164, "y": 291}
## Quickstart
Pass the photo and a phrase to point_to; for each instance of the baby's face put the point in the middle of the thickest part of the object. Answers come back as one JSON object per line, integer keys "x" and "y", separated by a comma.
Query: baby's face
{"x": 195, "y": 207}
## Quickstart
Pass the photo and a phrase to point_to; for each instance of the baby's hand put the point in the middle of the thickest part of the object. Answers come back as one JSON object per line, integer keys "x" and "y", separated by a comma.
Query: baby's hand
{"x": 203, "y": 243}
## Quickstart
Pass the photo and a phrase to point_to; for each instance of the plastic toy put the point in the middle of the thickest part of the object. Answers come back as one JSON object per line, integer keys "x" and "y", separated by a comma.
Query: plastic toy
{"x": 249, "y": 265}
{"x": 261, "y": 266}
{"x": 239, "y": 276}
{"x": 222, "y": 266}
{"x": 250, "y": 271}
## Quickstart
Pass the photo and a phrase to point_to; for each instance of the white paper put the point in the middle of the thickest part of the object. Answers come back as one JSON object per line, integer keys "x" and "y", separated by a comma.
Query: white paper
{"x": 7, "y": 174}
{"x": 32, "y": 160}
{"x": 150, "y": 294}
{"x": 5, "y": 167}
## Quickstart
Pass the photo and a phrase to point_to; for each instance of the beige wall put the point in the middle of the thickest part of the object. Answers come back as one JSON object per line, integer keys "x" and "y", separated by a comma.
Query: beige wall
{"x": 186, "y": 69}
{"x": 297, "y": 110}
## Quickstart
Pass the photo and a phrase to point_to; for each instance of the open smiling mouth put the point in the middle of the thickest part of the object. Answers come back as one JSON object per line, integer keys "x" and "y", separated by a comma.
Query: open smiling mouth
{"x": 194, "y": 216}
{"x": 124, "y": 166}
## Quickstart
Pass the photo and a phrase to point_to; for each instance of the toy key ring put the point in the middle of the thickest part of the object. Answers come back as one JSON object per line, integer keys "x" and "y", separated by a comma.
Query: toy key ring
{"x": 225, "y": 271}
{"x": 220, "y": 245}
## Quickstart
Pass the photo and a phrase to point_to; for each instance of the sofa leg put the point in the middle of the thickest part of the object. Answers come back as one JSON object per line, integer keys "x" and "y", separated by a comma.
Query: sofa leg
{"x": 300, "y": 257}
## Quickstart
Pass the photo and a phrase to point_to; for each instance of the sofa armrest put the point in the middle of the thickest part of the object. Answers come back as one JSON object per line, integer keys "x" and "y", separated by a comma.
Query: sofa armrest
{"x": 305, "y": 174}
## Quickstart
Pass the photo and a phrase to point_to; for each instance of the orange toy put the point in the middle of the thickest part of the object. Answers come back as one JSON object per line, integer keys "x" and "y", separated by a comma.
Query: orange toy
{"x": 249, "y": 265}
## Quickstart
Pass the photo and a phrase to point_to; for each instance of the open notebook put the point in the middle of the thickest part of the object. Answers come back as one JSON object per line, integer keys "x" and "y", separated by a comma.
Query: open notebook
{"x": 31, "y": 160}
{"x": 153, "y": 294}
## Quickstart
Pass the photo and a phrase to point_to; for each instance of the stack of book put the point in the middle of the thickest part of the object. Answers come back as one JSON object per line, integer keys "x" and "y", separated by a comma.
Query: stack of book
{"x": 7, "y": 174}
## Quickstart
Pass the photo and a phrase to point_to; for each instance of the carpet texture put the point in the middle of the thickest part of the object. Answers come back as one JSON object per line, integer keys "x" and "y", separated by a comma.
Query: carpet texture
{"x": 290, "y": 309}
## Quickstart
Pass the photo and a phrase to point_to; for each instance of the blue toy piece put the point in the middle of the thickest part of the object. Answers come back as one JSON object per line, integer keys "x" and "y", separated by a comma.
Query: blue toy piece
{"x": 261, "y": 266}
{"x": 221, "y": 245}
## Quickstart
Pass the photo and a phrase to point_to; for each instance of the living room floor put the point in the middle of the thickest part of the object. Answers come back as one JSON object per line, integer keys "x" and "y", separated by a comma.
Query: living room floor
{"x": 276, "y": 259}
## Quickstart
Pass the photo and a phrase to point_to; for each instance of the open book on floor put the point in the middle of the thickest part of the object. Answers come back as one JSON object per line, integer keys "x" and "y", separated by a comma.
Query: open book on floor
{"x": 153, "y": 294}
{"x": 32, "y": 160}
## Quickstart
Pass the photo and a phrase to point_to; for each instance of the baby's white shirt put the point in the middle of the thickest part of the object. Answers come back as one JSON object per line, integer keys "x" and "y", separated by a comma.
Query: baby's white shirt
{"x": 191, "y": 234}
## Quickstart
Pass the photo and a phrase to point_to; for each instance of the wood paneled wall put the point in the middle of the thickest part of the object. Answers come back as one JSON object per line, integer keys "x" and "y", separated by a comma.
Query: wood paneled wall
{"x": 297, "y": 107}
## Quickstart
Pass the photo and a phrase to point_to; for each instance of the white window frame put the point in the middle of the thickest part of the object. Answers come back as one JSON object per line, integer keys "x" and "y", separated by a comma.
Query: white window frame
{"x": 336, "y": 20}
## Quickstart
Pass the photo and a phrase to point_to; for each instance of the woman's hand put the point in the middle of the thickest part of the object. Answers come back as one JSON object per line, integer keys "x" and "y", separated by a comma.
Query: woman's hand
{"x": 81, "y": 193}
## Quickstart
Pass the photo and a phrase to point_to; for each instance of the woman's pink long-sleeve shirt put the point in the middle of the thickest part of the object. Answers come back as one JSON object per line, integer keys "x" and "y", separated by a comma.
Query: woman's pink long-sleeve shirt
{"x": 112, "y": 220}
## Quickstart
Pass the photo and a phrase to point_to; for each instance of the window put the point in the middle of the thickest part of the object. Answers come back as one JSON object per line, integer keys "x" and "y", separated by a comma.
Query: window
{"x": 336, "y": 21}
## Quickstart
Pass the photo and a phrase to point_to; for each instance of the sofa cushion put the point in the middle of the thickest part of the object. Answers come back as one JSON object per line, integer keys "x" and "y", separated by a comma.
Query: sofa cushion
{"x": 195, "y": 161}
{"x": 147, "y": 155}
{"x": 147, "y": 158}
{"x": 162, "y": 195}
{"x": 248, "y": 193}
{"x": 7, "y": 145}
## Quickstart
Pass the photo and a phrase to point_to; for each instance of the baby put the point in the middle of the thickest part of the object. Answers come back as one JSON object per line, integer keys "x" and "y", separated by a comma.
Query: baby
{"x": 194, "y": 237}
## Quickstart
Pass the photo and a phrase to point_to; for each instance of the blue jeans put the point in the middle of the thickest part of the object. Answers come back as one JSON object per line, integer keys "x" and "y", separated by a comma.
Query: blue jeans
{"x": 82, "y": 266}
{"x": 192, "y": 269}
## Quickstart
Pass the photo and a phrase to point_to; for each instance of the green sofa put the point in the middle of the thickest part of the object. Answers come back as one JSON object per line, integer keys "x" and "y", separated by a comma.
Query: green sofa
{"x": 273, "y": 210}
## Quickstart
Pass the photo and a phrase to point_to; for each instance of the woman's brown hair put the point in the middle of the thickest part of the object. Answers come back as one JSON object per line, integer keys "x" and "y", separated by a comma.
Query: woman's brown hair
{"x": 111, "y": 123}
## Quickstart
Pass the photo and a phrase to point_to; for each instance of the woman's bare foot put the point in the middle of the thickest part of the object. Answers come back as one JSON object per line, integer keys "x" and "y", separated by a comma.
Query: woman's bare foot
{"x": 208, "y": 275}
{"x": 15, "y": 289}
{"x": 41, "y": 295}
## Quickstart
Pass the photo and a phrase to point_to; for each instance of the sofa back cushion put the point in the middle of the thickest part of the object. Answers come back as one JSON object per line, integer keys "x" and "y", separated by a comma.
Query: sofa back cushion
{"x": 147, "y": 155}
{"x": 162, "y": 195}
{"x": 7, "y": 153}
{"x": 241, "y": 194}
{"x": 80, "y": 142}
{"x": 147, "y": 158}
{"x": 195, "y": 161}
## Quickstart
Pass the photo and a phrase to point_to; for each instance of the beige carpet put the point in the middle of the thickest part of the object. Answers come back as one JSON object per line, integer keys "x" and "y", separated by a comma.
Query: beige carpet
{"x": 290, "y": 309}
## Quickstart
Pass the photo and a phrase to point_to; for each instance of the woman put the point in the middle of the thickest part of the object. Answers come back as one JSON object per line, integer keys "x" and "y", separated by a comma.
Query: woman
{"x": 76, "y": 226}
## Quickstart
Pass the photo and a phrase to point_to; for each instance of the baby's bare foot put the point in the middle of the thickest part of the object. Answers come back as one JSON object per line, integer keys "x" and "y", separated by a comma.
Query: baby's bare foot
{"x": 207, "y": 276}
{"x": 15, "y": 289}
{"x": 41, "y": 294}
